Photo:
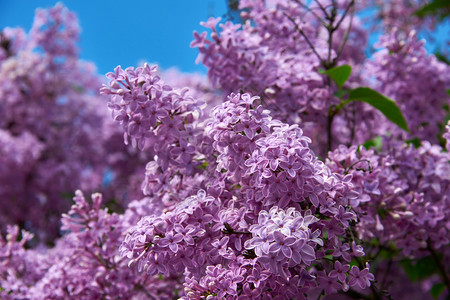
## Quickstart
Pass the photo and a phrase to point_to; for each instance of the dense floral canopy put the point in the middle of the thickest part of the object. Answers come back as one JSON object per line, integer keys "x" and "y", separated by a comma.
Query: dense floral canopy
{"x": 299, "y": 168}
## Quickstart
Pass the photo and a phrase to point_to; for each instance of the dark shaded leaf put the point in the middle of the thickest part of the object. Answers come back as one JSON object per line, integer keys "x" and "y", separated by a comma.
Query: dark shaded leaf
{"x": 437, "y": 290}
{"x": 420, "y": 269}
{"x": 415, "y": 142}
{"x": 441, "y": 8}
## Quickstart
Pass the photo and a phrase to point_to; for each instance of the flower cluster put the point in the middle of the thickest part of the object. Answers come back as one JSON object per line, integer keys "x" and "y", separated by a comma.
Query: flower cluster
{"x": 150, "y": 111}
{"x": 419, "y": 88}
{"x": 56, "y": 134}
{"x": 18, "y": 269}
{"x": 404, "y": 201}
{"x": 84, "y": 264}
{"x": 399, "y": 14}
{"x": 256, "y": 164}
{"x": 277, "y": 52}
{"x": 164, "y": 122}
{"x": 403, "y": 193}
{"x": 284, "y": 237}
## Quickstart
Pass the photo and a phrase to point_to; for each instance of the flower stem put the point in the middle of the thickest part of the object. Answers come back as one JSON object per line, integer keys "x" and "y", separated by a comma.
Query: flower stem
{"x": 439, "y": 264}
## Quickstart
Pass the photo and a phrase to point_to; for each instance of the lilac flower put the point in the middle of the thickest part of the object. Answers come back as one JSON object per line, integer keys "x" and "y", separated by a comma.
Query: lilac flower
{"x": 157, "y": 264}
{"x": 341, "y": 249}
{"x": 446, "y": 136}
{"x": 221, "y": 245}
{"x": 248, "y": 127}
{"x": 184, "y": 257}
{"x": 260, "y": 244}
{"x": 306, "y": 253}
{"x": 184, "y": 151}
{"x": 291, "y": 166}
{"x": 339, "y": 271}
{"x": 155, "y": 113}
{"x": 199, "y": 40}
{"x": 186, "y": 232}
{"x": 171, "y": 240}
{"x": 282, "y": 244}
{"x": 170, "y": 127}
{"x": 211, "y": 23}
{"x": 360, "y": 278}
{"x": 333, "y": 228}
{"x": 271, "y": 261}
{"x": 274, "y": 156}
{"x": 344, "y": 216}
{"x": 245, "y": 196}
{"x": 278, "y": 183}
{"x": 328, "y": 283}
{"x": 257, "y": 276}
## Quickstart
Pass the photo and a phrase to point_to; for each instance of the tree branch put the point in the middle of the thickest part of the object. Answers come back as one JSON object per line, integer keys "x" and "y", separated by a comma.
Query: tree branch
{"x": 304, "y": 35}
{"x": 308, "y": 9}
{"x": 439, "y": 264}
{"x": 322, "y": 8}
{"x": 346, "y": 34}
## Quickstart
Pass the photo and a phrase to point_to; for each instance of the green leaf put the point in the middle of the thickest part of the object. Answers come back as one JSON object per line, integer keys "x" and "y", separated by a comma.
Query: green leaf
{"x": 203, "y": 166}
{"x": 78, "y": 88}
{"x": 409, "y": 270}
{"x": 382, "y": 213}
{"x": 442, "y": 57}
{"x": 354, "y": 262}
{"x": 384, "y": 104}
{"x": 67, "y": 195}
{"x": 437, "y": 290}
{"x": 338, "y": 74}
{"x": 436, "y": 7}
{"x": 389, "y": 252}
{"x": 420, "y": 269}
{"x": 426, "y": 267}
{"x": 415, "y": 142}
{"x": 376, "y": 143}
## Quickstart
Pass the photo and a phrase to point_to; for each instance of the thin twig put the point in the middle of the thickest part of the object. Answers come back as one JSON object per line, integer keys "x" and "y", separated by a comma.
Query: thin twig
{"x": 304, "y": 35}
{"x": 353, "y": 132}
{"x": 322, "y": 8}
{"x": 331, "y": 114}
{"x": 386, "y": 273}
{"x": 330, "y": 30}
{"x": 354, "y": 294}
{"x": 344, "y": 14}
{"x": 308, "y": 9}
{"x": 357, "y": 162}
{"x": 375, "y": 292}
{"x": 229, "y": 230}
{"x": 439, "y": 264}
{"x": 344, "y": 40}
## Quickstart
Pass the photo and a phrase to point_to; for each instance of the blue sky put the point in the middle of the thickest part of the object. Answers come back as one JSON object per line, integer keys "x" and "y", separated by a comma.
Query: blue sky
{"x": 158, "y": 31}
{"x": 126, "y": 33}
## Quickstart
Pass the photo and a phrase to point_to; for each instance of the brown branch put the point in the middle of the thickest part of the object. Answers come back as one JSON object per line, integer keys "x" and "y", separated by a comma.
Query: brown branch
{"x": 308, "y": 9}
{"x": 354, "y": 294}
{"x": 439, "y": 264}
{"x": 304, "y": 35}
{"x": 322, "y": 8}
{"x": 229, "y": 230}
{"x": 344, "y": 40}
{"x": 344, "y": 14}
{"x": 331, "y": 114}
